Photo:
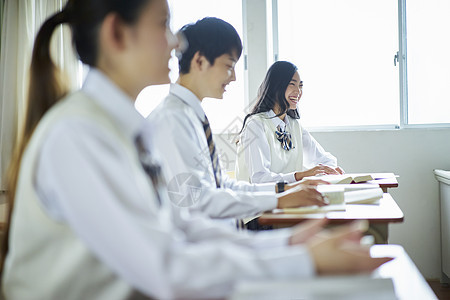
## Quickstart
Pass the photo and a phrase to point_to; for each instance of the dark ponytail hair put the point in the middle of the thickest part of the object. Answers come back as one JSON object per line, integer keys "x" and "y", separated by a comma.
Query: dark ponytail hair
{"x": 47, "y": 83}
{"x": 45, "y": 87}
{"x": 273, "y": 89}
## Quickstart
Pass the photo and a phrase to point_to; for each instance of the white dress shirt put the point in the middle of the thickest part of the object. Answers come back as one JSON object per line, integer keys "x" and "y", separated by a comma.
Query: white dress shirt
{"x": 257, "y": 150}
{"x": 84, "y": 179}
{"x": 178, "y": 132}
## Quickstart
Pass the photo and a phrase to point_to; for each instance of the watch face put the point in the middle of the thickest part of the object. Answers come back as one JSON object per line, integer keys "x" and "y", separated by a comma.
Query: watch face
{"x": 280, "y": 186}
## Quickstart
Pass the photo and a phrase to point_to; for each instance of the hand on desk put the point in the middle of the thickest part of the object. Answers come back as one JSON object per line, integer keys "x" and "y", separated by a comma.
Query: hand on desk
{"x": 301, "y": 195}
{"x": 307, "y": 230}
{"x": 319, "y": 170}
{"x": 314, "y": 182}
{"x": 339, "y": 170}
{"x": 339, "y": 251}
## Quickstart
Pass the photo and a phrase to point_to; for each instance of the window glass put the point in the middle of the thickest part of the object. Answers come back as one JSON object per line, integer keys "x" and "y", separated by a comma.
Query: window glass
{"x": 221, "y": 112}
{"x": 345, "y": 54}
{"x": 428, "y": 37}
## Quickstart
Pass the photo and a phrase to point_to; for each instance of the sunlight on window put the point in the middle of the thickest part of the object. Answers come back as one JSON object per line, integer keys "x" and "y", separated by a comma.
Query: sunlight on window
{"x": 345, "y": 52}
{"x": 428, "y": 61}
{"x": 220, "y": 112}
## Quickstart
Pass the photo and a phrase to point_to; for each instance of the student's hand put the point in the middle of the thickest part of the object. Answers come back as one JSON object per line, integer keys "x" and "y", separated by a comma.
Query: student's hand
{"x": 339, "y": 251}
{"x": 306, "y": 230}
{"x": 306, "y": 182}
{"x": 301, "y": 195}
{"x": 317, "y": 170}
{"x": 339, "y": 170}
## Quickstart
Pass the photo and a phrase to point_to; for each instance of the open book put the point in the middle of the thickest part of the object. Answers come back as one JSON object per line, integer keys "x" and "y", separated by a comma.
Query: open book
{"x": 313, "y": 209}
{"x": 364, "y": 196}
{"x": 342, "y": 179}
{"x": 339, "y": 195}
{"x": 350, "y": 193}
{"x": 356, "y": 187}
{"x": 333, "y": 194}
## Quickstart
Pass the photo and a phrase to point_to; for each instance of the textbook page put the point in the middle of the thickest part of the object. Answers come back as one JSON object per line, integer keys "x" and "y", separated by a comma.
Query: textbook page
{"x": 366, "y": 196}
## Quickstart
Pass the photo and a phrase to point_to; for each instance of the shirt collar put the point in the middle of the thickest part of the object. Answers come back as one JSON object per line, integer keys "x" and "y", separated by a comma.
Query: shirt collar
{"x": 277, "y": 121}
{"x": 114, "y": 101}
{"x": 189, "y": 98}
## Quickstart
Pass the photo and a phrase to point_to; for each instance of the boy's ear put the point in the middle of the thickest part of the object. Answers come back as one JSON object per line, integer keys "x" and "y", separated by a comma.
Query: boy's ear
{"x": 198, "y": 62}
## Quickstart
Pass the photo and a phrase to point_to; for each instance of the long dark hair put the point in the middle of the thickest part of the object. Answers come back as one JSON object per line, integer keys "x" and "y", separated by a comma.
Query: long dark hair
{"x": 272, "y": 91}
{"x": 47, "y": 84}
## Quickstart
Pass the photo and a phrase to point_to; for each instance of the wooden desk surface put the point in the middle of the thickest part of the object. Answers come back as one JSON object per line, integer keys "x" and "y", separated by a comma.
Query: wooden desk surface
{"x": 386, "y": 212}
{"x": 397, "y": 279}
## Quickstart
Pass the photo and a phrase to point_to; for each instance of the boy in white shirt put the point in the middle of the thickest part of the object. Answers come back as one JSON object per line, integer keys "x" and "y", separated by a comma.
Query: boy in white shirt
{"x": 182, "y": 132}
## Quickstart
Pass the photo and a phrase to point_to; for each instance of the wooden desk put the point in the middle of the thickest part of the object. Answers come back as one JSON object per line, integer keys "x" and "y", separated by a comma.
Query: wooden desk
{"x": 397, "y": 279}
{"x": 379, "y": 216}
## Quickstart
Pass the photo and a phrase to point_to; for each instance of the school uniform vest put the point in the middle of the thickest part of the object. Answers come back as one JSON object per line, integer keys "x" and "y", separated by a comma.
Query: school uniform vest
{"x": 46, "y": 260}
{"x": 281, "y": 161}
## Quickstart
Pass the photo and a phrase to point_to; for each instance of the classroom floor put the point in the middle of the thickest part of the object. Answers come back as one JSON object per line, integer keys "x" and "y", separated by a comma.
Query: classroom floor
{"x": 442, "y": 291}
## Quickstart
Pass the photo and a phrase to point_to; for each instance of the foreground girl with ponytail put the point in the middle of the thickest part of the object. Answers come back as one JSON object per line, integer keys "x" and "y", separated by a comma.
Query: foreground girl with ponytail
{"x": 89, "y": 214}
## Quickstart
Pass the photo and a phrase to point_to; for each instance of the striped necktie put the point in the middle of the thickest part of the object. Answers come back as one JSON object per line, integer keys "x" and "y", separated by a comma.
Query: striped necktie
{"x": 284, "y": 137}
{"x": 212, "y": 152}
{"x": 151, "y": 167}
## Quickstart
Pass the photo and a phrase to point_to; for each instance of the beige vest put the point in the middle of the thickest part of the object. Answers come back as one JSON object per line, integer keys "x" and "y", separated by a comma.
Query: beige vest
{"x": 281, "y": 161}
{"x": 46, "y": 260}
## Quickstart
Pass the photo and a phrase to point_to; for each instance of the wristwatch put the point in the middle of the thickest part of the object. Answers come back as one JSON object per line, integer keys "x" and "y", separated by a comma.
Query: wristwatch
{"x": 281, "y": 185}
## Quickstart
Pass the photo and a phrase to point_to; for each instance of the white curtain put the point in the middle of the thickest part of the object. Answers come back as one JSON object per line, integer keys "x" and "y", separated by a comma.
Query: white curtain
{"x": 20, "y": 23}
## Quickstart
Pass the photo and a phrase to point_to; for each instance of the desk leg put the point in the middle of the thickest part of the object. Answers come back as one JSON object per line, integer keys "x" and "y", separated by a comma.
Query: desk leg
{"x": 379, "y": 232}
{"x": 384, "y": 189}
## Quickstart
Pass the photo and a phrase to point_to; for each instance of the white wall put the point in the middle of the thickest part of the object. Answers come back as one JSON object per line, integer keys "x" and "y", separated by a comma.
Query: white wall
{"x": 410, "y": 153}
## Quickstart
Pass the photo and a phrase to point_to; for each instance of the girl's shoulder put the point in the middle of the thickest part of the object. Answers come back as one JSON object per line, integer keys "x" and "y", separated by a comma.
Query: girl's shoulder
{"x": 253, "y": 124}
{"x": 258, "y": 118}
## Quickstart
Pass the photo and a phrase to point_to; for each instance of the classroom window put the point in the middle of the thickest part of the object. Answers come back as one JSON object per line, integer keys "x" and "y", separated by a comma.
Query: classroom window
{"x": 428, "y": 25}
{"x": 220, "y": 112}
{"x": 344, "y": 51}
